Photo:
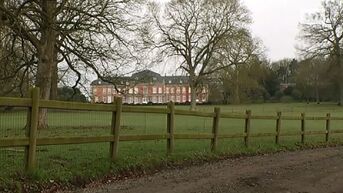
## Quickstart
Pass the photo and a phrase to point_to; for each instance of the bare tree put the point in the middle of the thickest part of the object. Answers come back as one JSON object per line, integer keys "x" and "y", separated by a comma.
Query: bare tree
{"x": 74, "y": 34}
{"x": 192, "y": 31}
{"x": 235, "y": 51}
{"x": 323, "y": 35}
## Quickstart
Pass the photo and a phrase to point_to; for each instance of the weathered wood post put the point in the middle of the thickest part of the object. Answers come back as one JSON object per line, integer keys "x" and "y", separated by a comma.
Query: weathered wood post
{"x": 303, "y": 128}
{"x": 170, "y": 128}
{"x": 215, "y": 128}
{"x": 278, "y": 128}
{"x": 328, "y": 117}
{"x": 247, "y": 128}
{"x": 31, "y": 133}
{"x": 115, "y": 127}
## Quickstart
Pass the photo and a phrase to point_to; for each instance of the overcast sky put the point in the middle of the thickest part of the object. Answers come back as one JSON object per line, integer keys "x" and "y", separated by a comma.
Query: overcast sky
{"x": 276, "y": 22}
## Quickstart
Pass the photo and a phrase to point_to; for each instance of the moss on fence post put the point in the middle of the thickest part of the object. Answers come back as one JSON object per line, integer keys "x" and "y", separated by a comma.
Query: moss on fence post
{"x": 303, "y": 126}
{"x": 30, "y": 150}
{"x": 247, "y": 128}
{"x": 215, "y": 128}
{"x": 170, "y": 127}
{"x": 328, "y": 118}
{"x": 278, "y": 128}
{"x": 115, "y": 127}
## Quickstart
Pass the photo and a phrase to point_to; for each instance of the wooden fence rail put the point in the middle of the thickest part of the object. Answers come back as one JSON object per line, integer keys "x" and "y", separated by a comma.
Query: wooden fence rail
{"x": 34, "y": 104}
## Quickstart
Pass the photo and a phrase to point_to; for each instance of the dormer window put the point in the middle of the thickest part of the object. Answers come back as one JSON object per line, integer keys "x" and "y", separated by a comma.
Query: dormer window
{"x": 180, "y": 81}
{"x": 99, "y": 82}
{"x": 169, "y": 81}
{"x": 154, "y": 78}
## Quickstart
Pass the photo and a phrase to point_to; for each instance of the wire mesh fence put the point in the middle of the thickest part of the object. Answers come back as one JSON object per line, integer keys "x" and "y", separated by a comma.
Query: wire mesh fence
{"x": 65, "y": 162}
{"x": 76, "y": 123}
{"x": 12, "y": 125}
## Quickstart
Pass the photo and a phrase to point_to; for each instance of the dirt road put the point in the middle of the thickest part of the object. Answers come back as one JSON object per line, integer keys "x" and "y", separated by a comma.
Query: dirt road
{"x": 310, "y": 171}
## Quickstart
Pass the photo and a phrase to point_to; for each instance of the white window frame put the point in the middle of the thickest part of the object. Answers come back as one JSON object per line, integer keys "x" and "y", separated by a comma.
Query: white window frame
{"x": 178, "y": 99}
{"x": 109, "y": 99}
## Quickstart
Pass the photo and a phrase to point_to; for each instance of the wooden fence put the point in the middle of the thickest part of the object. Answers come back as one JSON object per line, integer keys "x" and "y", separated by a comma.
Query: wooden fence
{"x": 31, "y": 141}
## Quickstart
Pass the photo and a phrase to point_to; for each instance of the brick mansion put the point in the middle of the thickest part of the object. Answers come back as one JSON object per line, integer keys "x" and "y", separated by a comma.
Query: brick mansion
{"x": 147, "y": 87}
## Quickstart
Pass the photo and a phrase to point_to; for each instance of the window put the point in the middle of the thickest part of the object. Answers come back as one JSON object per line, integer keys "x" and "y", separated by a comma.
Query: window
{"x": 159, "y": 90}
{"x": 145, "y": 90}
{"x": 178, "y": 90}
{"x": 154, "y": 90}
{"x": 109, "y": 90}
{"x": 172, "y": 98}
{"x": 131, "y": 91}
{"x": 96, "y": 99}
{"x": 167, "y": 90}
{"x": 144, "y": 100}
{"x": 178, "y": 99}
{"x": 136, "y": 90}
{"x": 169, "y": 81}
{"x": 172, "y": 90}
{"x": 109, "y": 99}
{"x": 94, "y": 90}
{"x": 160, "y": 99}
{"x": 184, "y": 98}
{"x": 103, "y": 91}
{"x": 184, "y": 90}
{"x": 154, "y": 99}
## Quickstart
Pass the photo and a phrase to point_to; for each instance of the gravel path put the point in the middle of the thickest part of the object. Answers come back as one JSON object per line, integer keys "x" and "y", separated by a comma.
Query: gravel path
{"x": 310, "y": 171}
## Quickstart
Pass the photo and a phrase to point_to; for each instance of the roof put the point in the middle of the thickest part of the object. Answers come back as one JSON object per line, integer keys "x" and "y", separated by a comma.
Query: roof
{"x": 146, "y": 76}
{"x": 176, "y": 79}
{"x": 99, "y": 82}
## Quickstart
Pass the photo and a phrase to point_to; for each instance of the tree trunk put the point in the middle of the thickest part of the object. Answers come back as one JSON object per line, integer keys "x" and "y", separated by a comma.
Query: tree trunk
{"x": 54, "y": 79}
{"x": 236, "y": 99}
{"x": 193, "y": 97}
{"x": 46, "y": 57}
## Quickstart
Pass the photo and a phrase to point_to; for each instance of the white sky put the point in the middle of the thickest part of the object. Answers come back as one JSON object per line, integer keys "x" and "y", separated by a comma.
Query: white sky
{"x": 276, "y": 23}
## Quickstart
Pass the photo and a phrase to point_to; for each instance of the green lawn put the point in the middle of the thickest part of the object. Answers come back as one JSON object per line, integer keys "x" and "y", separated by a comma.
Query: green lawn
{"x": 72, "y": 162}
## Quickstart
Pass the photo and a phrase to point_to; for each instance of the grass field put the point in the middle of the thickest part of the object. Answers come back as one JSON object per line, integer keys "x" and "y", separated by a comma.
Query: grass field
{"x": 70, "y": 163}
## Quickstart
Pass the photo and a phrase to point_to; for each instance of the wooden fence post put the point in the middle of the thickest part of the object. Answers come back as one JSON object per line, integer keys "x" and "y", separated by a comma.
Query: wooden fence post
{"x": 215, "y": 128}
{"x": 247, "y": 128}
{"x": 30, "y": 150}
{"x": 278, "y": 128}
{"x": 115, "y": 128}
{"x": 170, "y": 127}
{"x": 328, "y": 117}
{"x": 303, "y": 128}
